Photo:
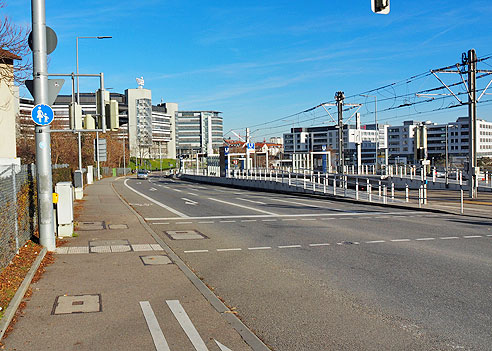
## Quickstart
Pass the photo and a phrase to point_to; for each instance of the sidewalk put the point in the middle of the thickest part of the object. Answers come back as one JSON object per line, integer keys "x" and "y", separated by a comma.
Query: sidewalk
{"x": 104, "y": 292}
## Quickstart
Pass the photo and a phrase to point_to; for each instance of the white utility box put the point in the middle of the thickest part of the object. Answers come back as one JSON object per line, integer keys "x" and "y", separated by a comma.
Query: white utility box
{"x": 64, "y": 210}
{"x": 90, "y": 174}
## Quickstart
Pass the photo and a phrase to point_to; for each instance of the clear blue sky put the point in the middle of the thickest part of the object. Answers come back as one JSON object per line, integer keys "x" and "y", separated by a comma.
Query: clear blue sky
{"x": 259, "y": 61}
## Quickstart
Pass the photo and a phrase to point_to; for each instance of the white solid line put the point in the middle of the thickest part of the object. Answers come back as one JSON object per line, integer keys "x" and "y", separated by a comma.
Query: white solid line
{"x": 242, "y": 206}
{"x": 222, "y": 347}
{"x": 187, "y": 325}
{"x": 399, "y": 240}
{"x": 154, "y": 328}
{"x": 322, "y": 244}
{"x": 259, "y": 248}
{"x": 206, "y": 222}
{"x": 155, "y": 201}
{"x": 248, "y": 220}
{"x": 288, "y": 246}
{"x": 252, "y": 201}
{"x": 472, "y": 236}
{"x": 425, "y": 239}
{"x": 195, "y": 251}
{"x": 234, "y": 249}
{"x": 375, "y": 241}
{"x": 448, "y": 237}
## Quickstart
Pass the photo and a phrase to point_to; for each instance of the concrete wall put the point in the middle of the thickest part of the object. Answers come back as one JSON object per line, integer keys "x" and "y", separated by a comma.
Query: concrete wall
{"x": 9, "y": 107}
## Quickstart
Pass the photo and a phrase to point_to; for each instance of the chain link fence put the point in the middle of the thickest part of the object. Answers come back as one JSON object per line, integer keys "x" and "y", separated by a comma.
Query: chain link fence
{"x": 18, "y": 209}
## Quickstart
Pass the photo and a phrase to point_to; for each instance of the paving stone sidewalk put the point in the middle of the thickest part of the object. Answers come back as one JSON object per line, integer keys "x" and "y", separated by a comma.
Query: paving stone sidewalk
{"x": 111, "y": 284}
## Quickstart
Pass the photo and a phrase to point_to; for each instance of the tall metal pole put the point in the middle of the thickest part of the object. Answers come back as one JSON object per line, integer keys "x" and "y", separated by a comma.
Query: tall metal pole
{"x": 339, "y": 97}
{"x": 77, "y": 54}
{"x": 472, "y": 122}
{"x": 124, "y": 156}
{"x": 447, "y": 163}
{"x": 42, "y": 133}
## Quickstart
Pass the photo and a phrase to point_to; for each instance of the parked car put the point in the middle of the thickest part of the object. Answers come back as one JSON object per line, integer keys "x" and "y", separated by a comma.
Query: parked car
{"x": 142, "y": 174}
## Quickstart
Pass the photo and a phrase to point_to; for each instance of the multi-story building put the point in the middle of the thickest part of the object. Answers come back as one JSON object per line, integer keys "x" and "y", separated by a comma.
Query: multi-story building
{"x": 198, "y": 132}
{"x": 400, "y": 142}
{"x": 304, "y": 140}
{"x": 149, "y": 130}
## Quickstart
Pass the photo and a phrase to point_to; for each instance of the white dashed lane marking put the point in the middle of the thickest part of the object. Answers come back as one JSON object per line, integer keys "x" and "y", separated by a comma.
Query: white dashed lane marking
{"x": 343, "y": 243}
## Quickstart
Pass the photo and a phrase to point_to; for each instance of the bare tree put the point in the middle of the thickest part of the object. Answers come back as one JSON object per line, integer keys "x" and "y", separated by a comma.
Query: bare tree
{"x": 14, "y": 46}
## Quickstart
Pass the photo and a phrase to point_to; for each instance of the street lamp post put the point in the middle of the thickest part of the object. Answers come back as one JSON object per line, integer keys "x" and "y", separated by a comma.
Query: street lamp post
{"x": 77, "y": 57}
{"x": 375, "y": 127}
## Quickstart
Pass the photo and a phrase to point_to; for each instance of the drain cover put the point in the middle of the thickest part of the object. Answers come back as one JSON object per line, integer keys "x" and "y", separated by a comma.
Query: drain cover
{"x": 77, "y": 304}
{"x": 185, "y": 234}
{"x": 155, "y": 260}
{"x": 91, "y": 225}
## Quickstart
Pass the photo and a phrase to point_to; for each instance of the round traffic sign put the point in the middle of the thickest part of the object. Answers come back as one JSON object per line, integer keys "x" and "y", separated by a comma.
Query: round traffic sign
{"x": 51, "y": 40}
{"x": 42, "y": 114}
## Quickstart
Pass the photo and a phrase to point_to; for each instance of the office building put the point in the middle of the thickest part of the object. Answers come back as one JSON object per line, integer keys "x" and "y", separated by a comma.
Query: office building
{"x": 198, "y": 132}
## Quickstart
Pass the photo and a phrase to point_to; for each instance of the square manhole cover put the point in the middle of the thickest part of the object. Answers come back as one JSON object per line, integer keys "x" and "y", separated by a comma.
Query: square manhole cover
{"x": 118, "y": 226}
{"x": 77, "y": 304}
{"x": 91, "y": 225}
{"x": 185, "y": 235}
{"x": 94, "y": 243}
{"x": 155, "y": 260}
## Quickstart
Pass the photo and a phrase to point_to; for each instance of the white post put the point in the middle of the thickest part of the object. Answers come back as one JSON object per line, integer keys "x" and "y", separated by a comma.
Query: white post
{"x": 406, "y": 192}
{"x": 392, "y": 191}
{"x": 357, "y": 188}
{"x": 379, "y": 189}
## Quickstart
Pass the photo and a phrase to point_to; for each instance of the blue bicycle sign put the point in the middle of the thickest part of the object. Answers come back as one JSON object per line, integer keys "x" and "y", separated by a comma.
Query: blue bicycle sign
{"x": 42, "y": 114}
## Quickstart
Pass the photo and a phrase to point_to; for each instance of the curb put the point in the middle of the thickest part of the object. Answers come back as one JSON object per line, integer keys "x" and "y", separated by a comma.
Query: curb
{"x": 248, "y": 336}
{"x": 19, "y": 295}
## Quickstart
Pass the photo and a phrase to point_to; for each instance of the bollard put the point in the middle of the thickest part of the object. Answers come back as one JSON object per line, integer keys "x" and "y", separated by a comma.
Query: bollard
{"x": 406, "y": 192}
{"x": 324, "y": 185}
{"x": 334, "y": 184}
{"x": 379, "y": 189}
{"x": 385, "y": 194}
{"x": 288, "y": 175}
{"x": 367, "y": 185}
{"x": 357, "y": 188}
{"x": 392, "y": 192}
{"x": 314, "y": 187}
{"x": 369, "y": 194}
{"x": 461, "y": 200}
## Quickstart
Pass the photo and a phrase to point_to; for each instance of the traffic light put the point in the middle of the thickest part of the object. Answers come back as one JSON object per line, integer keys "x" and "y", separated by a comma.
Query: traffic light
{"x": 380, "y": 6}
{"x": 112, "y": 116}
{"x": 75, "y": 115}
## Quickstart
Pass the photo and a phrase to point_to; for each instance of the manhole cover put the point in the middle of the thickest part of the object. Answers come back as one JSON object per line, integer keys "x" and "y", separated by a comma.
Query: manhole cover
{"x": 77, "y": 304}
{"x": 185, "y": 235}
{"x": 91, "y": 225}
{"x": 155, "y": 260}
{"x": 94, "y": 243}
{"x": 118, "y": 226}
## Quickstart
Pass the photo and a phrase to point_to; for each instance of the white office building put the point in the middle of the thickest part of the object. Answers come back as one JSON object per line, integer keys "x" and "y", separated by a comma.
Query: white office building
{"x": 198, "y": 132}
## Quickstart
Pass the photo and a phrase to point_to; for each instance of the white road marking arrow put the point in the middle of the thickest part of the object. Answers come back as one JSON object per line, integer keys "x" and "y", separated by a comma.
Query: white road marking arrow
{"x": 189, "y": 202}
{"x": 222, "y": 347}
{"x": 152, "y": 189}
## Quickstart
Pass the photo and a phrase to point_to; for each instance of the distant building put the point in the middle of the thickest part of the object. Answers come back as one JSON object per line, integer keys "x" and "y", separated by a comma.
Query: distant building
{"x": 148, "y": 129}
{"x": 198, "y": 132}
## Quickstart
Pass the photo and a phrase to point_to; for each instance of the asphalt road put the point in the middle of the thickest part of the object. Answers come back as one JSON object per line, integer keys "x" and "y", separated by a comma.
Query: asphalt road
{"x": 312, "y": 274}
